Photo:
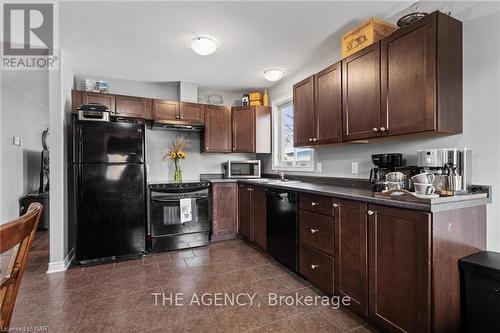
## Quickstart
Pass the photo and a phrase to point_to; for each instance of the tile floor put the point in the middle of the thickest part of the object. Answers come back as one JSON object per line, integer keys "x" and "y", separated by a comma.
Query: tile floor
{"x": 118, "y": 297}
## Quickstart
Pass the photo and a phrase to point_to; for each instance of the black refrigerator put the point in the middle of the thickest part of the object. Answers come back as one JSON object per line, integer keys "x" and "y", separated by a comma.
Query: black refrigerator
{"x": 109, "y": 199}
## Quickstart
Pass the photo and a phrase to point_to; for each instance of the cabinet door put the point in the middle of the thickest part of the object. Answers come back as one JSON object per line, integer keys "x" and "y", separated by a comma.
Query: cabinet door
{"x": 134, "y": 107}
{"x": 101, "y": 98}
{"x": 165, "y": 110}
{"x": 245, "y": 228}
{"x": 351, "y": 253}
{"x": 303, "y": 112}
{"x": 361, "y": 94}
{"x": 224, "y": 209}
{"x": 399, "y": 242}
{"x": 328, "y": 104}
{"x": 244, "y": 129}
{"x": 192, "y": 112}
{"x": 259, "y": 217}
{"x": 217, "y": 137}
{"x": 76, "y": 100}
{"x": 408, "y": 73}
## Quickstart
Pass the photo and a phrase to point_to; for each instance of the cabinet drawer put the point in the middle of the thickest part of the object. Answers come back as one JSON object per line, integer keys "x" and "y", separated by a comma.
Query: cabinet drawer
{"x": 316, "y": 203}
{"x": 316, "y": 230}
{"x": 317, "y": 268}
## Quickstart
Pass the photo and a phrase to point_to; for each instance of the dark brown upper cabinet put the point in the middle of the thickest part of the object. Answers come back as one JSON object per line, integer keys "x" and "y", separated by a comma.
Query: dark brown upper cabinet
{"x": 303, "y": 112}
{"x": 217, "y": 135}
{"x": 328, "y": 105}
{"x": 133, "y": 107}
{"x": 421, "y": 73}
{"x": 164, "y": 110}
{"x": 361, "y": 94}
{"x": 107, "y": 100}
{"x": 251, "y": 129}
{"x": 192, "y": 112}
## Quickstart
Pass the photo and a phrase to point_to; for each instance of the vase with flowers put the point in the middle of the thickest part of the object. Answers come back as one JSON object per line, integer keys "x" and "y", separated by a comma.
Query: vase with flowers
{"x": 177, "y": 153}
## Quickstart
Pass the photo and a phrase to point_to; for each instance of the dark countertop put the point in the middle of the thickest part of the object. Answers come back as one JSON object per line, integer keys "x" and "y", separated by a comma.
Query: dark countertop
{"x": 366, "y": 195}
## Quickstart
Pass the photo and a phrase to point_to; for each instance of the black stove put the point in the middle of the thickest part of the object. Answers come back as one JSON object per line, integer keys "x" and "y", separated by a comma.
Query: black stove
{"x": 168, "y": 228}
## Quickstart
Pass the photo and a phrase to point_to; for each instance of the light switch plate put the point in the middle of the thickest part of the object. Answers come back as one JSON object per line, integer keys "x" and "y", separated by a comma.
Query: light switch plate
{"x": 319, "y": 167}
{"x": 354, "y": 168}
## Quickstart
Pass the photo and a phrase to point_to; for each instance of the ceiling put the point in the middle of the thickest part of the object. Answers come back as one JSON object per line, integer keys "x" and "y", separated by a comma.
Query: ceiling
{"x": 149, "y": 41}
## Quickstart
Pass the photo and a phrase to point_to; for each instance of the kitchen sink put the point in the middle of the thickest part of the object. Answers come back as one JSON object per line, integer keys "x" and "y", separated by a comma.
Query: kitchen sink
{"x": 274, "y": 181}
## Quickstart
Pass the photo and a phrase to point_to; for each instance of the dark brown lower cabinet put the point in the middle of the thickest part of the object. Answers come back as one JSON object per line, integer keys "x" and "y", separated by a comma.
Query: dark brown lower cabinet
{"x": 351, "y": 253}
{"x": 400, "y": 269}
{"x": 317, "y": 267}
{"x": 224, "y": 211}
{"x": 252, "y": 221}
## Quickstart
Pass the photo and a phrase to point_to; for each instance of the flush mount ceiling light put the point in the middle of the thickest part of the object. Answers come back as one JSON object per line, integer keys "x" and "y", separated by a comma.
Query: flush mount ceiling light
{"x": 274, "y": 74}
{"x": 204, "y": 45}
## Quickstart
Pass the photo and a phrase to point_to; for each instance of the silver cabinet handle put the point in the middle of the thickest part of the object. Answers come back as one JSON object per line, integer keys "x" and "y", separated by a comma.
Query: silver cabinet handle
{"x": 314, "y": 266}
{"x": 382, "y": 129}
{"x": 310, "y": 139}
{"x": 370, "y": 212}
{"x": 313, "y": 231}
{"x": 314, "y": 139}
{"x": 335, "y": 205}
{"x": 117, "y": 112}
{"x": 181, "y": 117}
{"x": 314, "y": 204}
{"x": 375, "y": 129}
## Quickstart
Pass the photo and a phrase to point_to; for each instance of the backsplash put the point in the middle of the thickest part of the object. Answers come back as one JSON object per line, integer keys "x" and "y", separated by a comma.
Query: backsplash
{"x": 158, "y": 142}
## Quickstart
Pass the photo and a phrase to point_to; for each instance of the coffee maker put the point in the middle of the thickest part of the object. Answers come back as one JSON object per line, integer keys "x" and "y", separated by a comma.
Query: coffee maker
{"x": 452, "y": 168}
{"x": 384, "y": 163}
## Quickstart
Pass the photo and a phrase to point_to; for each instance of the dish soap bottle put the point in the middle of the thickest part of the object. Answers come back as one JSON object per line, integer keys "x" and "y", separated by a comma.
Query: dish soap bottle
{"x": 266, "y": 98}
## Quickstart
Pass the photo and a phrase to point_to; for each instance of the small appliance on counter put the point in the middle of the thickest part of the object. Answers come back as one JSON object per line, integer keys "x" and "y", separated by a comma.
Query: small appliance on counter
{"x": 93, "y": 112}
{"x": 391, "y": 173}
{"x": 451, "y": 168}
{"x": 242, "y": 169}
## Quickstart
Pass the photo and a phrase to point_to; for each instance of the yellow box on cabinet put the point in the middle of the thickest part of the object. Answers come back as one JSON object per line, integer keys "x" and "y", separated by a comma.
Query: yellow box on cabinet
{"x": 255, "y": 103}
{"x": 255, "y": 96}
{"x": 366, "y": 34}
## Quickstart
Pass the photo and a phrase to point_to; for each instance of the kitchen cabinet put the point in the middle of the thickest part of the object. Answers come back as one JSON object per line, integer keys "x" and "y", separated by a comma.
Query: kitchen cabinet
{"x": 76, "y": 100}
{"x": 217, "y": 135}
{"x": 421, "y": 77}
{"x": 303, "y": 112}
{"x": 251, "y": 128}
{"x": 133, "y": 107}
{"x": 224, "y": 210}
{"x": 328, "y": 105}
{"x": 400, "y": 269}
{"x": 361, "y": 94}
{"x": 252, "y": 214}
{"x": 351, "y": 253}
{"x": 107, "y": 100}
{"x": 316, "y": 240}
{"x": 192, "y": 112}
{"x": 164, "y": 110}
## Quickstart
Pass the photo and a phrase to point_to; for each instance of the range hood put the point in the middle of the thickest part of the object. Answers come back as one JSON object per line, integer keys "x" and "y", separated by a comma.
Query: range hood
{"x": 179, "y": 126}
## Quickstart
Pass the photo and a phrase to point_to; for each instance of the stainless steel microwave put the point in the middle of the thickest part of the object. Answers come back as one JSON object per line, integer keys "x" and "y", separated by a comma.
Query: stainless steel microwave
{"x": 242, "y": 169}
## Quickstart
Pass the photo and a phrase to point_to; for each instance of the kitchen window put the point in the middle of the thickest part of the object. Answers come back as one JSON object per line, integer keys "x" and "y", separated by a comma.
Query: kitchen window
{"x": 285, "y": 156}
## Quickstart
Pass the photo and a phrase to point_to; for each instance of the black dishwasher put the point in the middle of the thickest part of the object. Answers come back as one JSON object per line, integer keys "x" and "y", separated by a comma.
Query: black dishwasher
{"x": 282, "y": 234}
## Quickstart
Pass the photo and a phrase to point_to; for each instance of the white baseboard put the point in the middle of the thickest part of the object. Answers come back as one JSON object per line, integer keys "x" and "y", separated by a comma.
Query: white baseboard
{"x": 61, "y": 266}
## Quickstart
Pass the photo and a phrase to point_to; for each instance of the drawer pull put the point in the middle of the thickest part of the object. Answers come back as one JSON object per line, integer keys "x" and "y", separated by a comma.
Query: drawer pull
{"x": 314, "y": 203}
{"x": 313, "y": 231}
{"x": 497, "y": 290}
{"x": 314, "y": 266}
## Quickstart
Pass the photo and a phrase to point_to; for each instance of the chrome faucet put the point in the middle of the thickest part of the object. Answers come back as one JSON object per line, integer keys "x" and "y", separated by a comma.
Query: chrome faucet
{"x": 281, "y": 174}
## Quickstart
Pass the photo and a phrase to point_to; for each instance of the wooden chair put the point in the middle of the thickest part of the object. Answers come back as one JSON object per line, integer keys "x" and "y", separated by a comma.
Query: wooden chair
{"x": 17, "y": 235}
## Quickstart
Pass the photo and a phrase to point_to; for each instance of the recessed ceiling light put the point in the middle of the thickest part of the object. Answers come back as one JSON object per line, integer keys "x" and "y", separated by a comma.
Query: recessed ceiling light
{"x": 204, "y": 45}
{"x": 274, "y": 74}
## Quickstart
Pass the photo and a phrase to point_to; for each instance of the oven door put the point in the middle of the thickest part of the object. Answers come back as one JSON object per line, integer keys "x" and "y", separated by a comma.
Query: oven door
{"x": 165, "y": 219}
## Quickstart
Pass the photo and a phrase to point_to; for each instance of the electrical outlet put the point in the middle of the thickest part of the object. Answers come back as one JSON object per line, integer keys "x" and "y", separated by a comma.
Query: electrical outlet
{"x": 319, "y": 167}
{"x": 17, "y": 141}
{"x": 354, "y": 168}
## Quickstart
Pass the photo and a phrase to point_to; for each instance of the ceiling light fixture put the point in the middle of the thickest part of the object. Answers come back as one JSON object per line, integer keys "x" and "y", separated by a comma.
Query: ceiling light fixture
{"x": 274, "y": 74}
{"x": 204, "y": 45}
